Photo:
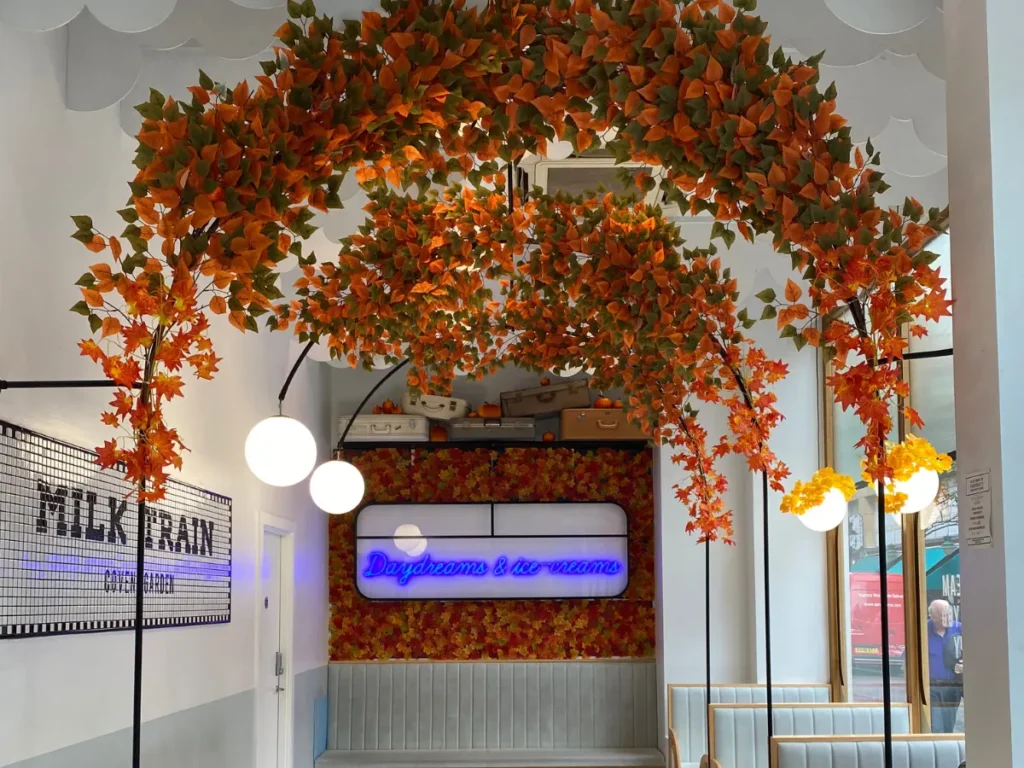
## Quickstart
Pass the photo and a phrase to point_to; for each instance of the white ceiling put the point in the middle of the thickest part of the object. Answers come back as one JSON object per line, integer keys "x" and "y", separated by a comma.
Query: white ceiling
{"x": 885, "y": 56}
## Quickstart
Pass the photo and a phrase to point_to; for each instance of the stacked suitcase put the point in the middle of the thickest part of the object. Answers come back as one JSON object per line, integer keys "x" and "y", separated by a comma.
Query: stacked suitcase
{"x": 520, "y": 409}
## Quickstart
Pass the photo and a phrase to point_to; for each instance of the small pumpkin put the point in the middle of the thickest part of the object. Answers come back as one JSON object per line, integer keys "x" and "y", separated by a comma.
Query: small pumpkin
{"x": 618, "y": 403}
{"x": 548, "y": 437}
{"x": 545, "y": 382}
{"x": 472, "y": 415}
{"x": 438, "y": 434}
{"x": 603, "y": 402}
{"x": 489, "y": 411}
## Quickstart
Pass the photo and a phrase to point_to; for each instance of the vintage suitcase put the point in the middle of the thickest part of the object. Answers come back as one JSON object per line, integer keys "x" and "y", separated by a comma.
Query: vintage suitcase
{"x": 434, "y": 406}
{"x": 521, "y": 428}
{"x": 385, "y": 428}
{"x": 544, "y": 401}
{"x": 598, "y": 424}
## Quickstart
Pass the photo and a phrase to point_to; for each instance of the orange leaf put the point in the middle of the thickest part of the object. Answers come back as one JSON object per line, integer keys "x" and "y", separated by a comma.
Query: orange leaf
{"x": 92, "y": 298}
{"x": 97, "y": 244}
{"x": 110, "y": 326}
{"x": 793, "y": 292}
{"x": 218, "y": 306}
{"x": 714, "y": 71}
{"x": 386, "y": 78}
{"x": 411, "y": 153}
{"x": 237, "y": 319}
{"x": 115, "y": 248}
{"x": 655, "y": 133}
{"x": 789, "y": 209}
{"x": 203, "y": 206}
{"x": 695, "y": 89}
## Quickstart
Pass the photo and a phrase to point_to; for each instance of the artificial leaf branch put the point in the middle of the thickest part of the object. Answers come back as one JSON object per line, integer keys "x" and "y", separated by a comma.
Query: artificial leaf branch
{"x": 427, "y": 94}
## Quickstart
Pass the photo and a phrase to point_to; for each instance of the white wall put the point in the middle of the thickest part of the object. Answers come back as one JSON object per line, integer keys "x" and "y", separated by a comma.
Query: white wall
{"x": 63, "y": 690}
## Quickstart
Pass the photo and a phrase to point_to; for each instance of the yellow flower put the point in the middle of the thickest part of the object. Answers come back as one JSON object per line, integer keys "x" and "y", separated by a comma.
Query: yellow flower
{"x": 811, "y": 494}
{"x": 904, "y": 460}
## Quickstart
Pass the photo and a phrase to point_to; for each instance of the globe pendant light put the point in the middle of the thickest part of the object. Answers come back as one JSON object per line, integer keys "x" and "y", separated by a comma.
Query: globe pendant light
{"x": 828, "y": 514}
{"x": 337, "y": 487}
{"x": 920, "y": 490}
{"x": 280, "y": 451}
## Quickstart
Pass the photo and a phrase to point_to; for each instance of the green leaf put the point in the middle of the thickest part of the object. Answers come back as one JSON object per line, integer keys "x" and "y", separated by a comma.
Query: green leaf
{"x": 729, "y": 237}
{"x": 769, "y": 312}
{"x": 767, "y": 295}
{"x": 83, "y": 222}
{"x": 800, "y": 342}
{"x": 95, "y": 323}
{"x": 788, "y": 332}
{"x": 205, "y": 81}
{"x": 129, "y": 214}
{"x": 294, "y": 9}
{"x": 250, "y": 324}
{"x": 86, "y": 281}
{"x": 81, "y": 308}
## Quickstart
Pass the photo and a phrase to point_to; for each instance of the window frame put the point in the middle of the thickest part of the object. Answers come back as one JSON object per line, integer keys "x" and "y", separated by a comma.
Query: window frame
{"x": 916, "y": 672}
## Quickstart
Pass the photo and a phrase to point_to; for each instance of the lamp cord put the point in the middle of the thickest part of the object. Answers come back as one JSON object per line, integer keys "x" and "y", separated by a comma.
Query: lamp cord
{"x": 359, "y": 408}
{"x": 291, "y": 374}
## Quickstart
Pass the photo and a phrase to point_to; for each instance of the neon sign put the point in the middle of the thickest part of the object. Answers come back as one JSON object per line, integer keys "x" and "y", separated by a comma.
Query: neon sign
{"x": 380, "y": 565}
{"x": 485, "y": 551}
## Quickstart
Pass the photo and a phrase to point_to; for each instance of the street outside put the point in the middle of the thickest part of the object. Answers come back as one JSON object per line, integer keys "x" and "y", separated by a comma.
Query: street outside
{"x": 867, "y": 686}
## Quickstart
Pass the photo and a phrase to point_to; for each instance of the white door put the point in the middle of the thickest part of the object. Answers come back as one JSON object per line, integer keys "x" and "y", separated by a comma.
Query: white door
{"x": 270, "y": 659}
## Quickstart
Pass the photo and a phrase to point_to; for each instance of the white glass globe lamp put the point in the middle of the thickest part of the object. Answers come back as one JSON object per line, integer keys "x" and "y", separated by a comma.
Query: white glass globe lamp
{"x": 280, "y": 451}
{"x": 337, "y": 487}
{"x": 828, "y": 514}
{"x": 921, "y": 490}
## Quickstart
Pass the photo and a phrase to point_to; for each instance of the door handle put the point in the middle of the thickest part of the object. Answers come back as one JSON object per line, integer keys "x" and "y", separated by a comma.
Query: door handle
{"x": 278, "y": 689}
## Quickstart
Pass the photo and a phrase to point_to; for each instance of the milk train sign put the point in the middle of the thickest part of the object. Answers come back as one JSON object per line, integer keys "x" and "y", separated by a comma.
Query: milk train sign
{"x": 68, "y": 543}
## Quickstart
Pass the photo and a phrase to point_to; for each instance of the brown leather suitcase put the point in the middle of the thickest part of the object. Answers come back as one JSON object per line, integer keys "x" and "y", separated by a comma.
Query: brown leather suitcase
{"x": 598, "y": 424}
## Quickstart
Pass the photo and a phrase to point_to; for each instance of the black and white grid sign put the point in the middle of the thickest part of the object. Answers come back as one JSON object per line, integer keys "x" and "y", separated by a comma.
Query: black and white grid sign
{"x": 68, "y": 543}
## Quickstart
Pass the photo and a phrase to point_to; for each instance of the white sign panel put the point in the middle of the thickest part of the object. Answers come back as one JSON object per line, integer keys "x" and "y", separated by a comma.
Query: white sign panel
{"x": 68, "y": 542}
{"x": 491, "y": 551}
{"x": 979, "y": 509}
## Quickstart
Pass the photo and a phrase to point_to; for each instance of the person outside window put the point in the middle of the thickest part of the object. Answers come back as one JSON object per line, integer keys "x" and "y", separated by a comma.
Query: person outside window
{"x": 945, "y": 665}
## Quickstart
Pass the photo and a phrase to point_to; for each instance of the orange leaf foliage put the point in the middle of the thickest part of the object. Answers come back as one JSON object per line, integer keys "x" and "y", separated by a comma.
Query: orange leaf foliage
{"x": 598, "y": 282}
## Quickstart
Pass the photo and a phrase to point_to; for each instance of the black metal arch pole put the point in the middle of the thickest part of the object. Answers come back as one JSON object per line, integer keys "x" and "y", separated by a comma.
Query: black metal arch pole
{"x": 707, "y": 648}
{"x": 767, "y": 612}
{"x": 140, "y": 557}
{"x": 883, "y": 593}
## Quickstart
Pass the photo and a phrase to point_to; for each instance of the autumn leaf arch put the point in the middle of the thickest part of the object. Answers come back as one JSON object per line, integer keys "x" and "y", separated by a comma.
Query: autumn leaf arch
{"x": 431, "y": 93}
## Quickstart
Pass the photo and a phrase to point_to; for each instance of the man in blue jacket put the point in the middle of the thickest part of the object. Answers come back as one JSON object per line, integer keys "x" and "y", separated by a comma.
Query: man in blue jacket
{"x": 945, "y": 665}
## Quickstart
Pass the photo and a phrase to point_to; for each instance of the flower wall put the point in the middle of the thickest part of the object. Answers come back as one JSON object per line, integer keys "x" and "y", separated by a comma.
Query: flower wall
{"x": 502, "y": 629}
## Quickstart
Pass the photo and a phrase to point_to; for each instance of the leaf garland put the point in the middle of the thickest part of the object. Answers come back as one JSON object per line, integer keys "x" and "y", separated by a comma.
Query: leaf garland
{"x": 426, "y": 94}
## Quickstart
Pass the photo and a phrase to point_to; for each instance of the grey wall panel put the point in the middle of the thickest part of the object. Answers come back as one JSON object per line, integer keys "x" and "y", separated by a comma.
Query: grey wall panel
{"x": 220, "y": 734}
{"x": 308, "y": 687}
{"x": 492, "y": 696}
{"x": 492, "y": 705}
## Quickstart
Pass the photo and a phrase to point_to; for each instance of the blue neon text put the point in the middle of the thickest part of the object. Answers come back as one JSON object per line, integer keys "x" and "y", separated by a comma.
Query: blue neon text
{"x": 378, "y": 564}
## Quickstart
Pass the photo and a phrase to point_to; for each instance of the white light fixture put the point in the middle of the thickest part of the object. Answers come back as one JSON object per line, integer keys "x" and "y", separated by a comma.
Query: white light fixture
{"x": 280, "y": 451}
{"x": 409, "y": 539}
{"x": 337, "y": 487}
{"x": 828, "y": 514}
{"x": 921, "y": 490}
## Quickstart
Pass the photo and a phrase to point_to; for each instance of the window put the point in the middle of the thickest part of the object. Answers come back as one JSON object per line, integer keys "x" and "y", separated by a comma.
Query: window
{"x": 932, "y": 382}
{"x": 921, "y": 554}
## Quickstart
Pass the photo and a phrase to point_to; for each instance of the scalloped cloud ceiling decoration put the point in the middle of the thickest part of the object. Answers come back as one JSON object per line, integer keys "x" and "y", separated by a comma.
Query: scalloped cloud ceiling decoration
{"x": 886, "y": 56}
